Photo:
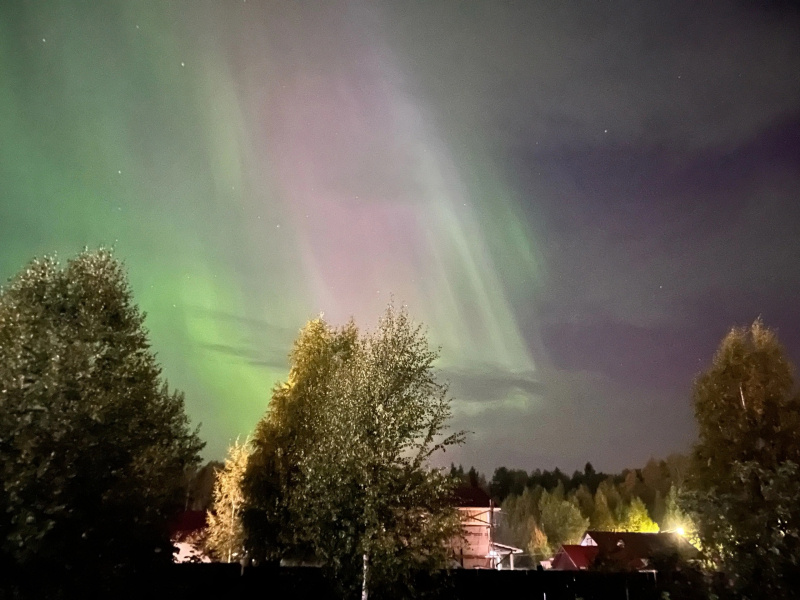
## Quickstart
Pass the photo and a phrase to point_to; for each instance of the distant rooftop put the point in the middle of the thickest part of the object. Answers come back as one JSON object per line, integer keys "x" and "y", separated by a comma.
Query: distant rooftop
{"x": 636, "y": 550}
{"x": 187, "y": 523}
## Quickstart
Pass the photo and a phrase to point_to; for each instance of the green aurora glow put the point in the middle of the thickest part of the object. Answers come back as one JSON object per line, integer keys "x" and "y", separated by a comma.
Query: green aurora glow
{"x": 577, "y": 199}
{"x": 254, "y": 167}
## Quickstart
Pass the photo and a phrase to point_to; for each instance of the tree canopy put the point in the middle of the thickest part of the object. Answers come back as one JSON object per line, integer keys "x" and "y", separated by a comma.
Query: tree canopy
{"x": 744, "y": 473}
{"x": 94, "y": 447}
{"x": 344, "y": 452}
{"x": 225, "y": 534}
{"x": 561, "y": 519}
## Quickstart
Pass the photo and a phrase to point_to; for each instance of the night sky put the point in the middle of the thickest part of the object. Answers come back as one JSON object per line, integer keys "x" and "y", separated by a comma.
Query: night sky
{"x": 578, "y": 199}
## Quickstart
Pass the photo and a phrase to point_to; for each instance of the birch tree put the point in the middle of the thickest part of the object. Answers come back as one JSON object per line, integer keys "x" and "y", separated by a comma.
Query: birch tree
{"x": 225, "y": 538}
{"x": 744, "y": 489}
{"x": 353, "y": 430}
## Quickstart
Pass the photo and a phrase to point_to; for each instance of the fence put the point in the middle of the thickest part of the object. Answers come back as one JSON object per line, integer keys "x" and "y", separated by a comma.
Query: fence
{"x": 300, "y": 583}
{"x": 221, "y": 581}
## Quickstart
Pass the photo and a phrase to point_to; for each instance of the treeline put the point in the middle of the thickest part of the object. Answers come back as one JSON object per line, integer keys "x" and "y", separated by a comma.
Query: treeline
{"x": 542, "y": 510}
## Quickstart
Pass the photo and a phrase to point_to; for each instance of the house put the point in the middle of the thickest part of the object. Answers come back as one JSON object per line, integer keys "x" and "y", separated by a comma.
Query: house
{"x": 476, "y": 548}
{"x": 574, "y": 557}
{"x": 623, "y": 551}
{"x": 186, "y": 531}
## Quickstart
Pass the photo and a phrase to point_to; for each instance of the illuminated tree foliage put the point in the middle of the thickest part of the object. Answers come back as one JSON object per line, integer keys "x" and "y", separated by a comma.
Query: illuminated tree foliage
{"x": 561, "y": 519}
{"x": 342, "y": 458}
{"x": 273, "y": 477}
{"x": 519, "y": 517}
{"x": 94, "y": 448}
{"x": 637, "y": 518}
{"x": 601, "y": 518}
{"x": 629, "y": 501}
{"x": 225, "y": 534}
{"x": 744, "y": 475}
{"x": 539, "y": 546}
{"x": 548, "y": 519}
{"x": 676, "y": 518}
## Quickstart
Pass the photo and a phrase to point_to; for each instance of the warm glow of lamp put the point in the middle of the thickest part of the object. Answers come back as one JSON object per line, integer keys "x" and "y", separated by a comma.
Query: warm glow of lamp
{"x": 680, "y": 531}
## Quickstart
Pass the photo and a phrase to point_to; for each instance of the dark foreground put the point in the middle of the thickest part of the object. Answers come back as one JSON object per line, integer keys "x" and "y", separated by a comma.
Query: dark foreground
{"x": 221, "y": 581}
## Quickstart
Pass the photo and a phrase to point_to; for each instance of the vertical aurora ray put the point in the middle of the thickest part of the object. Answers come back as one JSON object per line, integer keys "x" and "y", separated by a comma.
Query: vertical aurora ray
{"x": 255, "y": 165}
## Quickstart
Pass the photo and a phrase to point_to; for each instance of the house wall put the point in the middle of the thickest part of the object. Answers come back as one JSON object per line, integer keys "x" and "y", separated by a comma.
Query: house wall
{"x": 473, "y": 551}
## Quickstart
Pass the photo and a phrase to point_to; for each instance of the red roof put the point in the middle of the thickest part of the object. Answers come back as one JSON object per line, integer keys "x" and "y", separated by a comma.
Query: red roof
{"x": 574, "y": 558}
{"x": 623, "y": 550}
{"x": 635, "y": 551}
{"x": 187, "y": 523}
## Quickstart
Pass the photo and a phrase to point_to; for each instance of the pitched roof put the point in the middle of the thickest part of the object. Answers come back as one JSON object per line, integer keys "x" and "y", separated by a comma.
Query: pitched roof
{"x": 571, "y": 557}
{"x": 633, "y": 550}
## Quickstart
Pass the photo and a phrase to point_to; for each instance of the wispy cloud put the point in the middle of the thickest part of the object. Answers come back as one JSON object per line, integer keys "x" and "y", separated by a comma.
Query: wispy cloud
{"x": 489, "y": 382}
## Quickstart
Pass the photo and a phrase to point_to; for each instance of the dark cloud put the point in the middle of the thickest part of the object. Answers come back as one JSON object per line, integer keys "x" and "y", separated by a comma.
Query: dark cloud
{"x": 261, "y": 342}
{"x": 274, "y": 359}
{"x": 656, "y": 357}
{"x": 637, "y": 241}
{"x": 261, "y": 326}
{"x": 584, "y": 417}
{"x": 565, "y": 72}
{"x": 487, "y": 383}
{"x": 651, "y": 184}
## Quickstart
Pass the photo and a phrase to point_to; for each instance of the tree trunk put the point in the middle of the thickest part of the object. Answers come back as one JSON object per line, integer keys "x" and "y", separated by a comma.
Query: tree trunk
{"x": 365, "y": 572}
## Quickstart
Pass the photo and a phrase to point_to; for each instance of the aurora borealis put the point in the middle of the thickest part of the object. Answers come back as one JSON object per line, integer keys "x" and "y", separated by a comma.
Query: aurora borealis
{"x": 577, "y": 199}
